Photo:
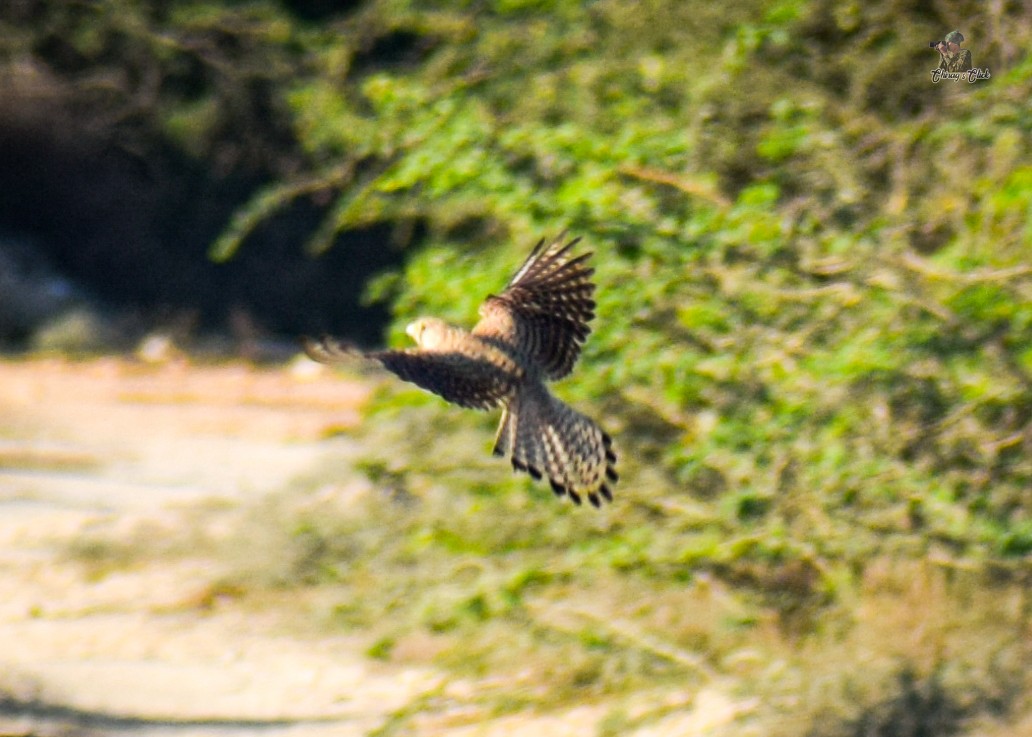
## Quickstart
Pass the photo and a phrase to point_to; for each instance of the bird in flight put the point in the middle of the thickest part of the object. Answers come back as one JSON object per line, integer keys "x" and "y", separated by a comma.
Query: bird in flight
{"x": 528, "y": 335}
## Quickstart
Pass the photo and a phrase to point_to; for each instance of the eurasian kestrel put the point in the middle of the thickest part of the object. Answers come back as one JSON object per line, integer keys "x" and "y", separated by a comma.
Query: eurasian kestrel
{"x": 529, "y": 334}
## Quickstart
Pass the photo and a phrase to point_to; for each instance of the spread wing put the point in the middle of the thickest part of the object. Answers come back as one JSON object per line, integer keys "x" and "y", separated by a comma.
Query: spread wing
{"x": 465, "y": 380}
{"x": 545, "y": 309}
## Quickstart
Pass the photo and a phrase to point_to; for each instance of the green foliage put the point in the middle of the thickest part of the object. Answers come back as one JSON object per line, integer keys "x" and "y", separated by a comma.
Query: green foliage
{"x": 812, "y": 343}
{"x": 813, "y": 272}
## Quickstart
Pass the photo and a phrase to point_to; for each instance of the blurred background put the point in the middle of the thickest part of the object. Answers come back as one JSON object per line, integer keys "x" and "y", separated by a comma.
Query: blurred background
{"x": 813, "y": 347}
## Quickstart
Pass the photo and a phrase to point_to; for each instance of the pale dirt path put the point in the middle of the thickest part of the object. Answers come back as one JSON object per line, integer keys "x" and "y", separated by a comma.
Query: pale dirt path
{"x": 114, "y": 443}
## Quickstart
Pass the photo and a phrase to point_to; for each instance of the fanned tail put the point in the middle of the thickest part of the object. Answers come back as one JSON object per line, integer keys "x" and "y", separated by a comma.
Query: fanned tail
{"x": 550, "y": 438}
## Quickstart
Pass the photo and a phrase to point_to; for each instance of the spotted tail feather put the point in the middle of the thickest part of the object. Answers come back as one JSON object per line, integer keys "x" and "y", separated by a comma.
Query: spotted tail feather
{"x": 548, "y": 438}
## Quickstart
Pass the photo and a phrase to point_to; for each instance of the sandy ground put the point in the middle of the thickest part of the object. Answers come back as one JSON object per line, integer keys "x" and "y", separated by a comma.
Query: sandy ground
{"x": 116, "y": 445}
{"x": 111, "y": 443}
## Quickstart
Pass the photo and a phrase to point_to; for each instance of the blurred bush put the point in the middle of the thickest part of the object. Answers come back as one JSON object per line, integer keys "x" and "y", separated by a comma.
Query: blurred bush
{"x": 814, "y": 308}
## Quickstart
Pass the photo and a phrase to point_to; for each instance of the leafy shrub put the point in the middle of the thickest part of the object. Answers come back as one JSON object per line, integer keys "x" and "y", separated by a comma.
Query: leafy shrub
{"x": 812, "y": 262}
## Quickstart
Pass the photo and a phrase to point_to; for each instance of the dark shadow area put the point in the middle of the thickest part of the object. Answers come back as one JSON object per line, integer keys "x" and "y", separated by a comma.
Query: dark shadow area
{"x": 132, "y": 233}
{"x": 395, "y": 49}
{"x": 927, "y": 707}
{"x": 320, "y": 10}
{"x": 68, "y": 720}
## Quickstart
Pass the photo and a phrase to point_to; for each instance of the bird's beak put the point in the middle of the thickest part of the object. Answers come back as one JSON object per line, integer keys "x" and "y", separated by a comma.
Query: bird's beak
{"x": 412, "y": 330}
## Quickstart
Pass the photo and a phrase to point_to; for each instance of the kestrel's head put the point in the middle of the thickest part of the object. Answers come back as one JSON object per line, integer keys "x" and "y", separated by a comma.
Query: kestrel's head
{"x": 428, "y": 332}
